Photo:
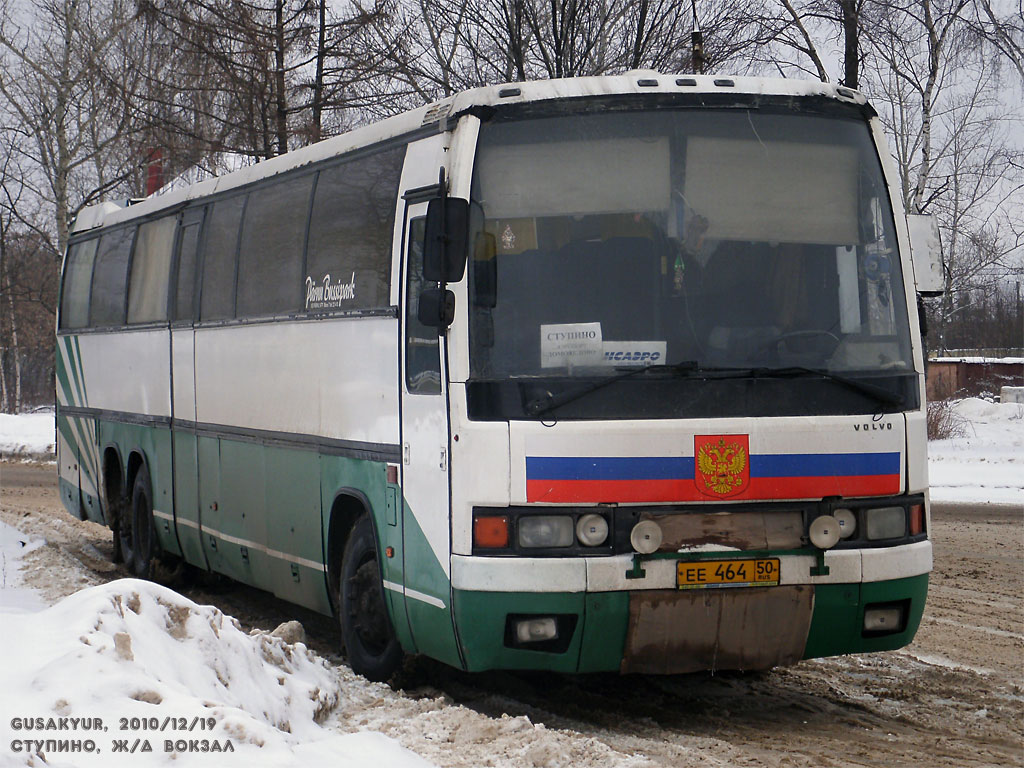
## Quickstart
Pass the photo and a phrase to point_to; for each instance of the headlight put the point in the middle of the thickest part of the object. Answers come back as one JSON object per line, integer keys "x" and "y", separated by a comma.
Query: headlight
{"x": 847, "y": 522}
{"x": 886, "y": 523}
{"x": 542, "y": 531}
{"x": 825, "y": 532}
{"x": 591, "y": 530}
{"x": 646, "y": 537}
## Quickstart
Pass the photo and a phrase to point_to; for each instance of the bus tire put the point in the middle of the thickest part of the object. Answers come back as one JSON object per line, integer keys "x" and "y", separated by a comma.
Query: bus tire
{"x": 124, "y": 535}
{"x": 366, "y": 632}
{"x": 145, "y": 547}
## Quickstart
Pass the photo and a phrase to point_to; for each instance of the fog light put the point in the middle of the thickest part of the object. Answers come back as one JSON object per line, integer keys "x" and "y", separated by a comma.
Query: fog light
{"x": 886, "y": 523}
{"x": 645, "y": 537}
{"x": 542, "y": 531}
{"x": 591, "y": 530}
{"x": 824, "y": 532}
{"x": 847, "y": 522}
{"x": 883, "y": 619}
{"x": 536, "y": 630}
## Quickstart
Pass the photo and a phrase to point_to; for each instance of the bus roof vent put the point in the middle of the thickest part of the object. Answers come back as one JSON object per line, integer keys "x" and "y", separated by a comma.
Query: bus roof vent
{"x": 437, "y": 112}
{"x": 93, "y": 216}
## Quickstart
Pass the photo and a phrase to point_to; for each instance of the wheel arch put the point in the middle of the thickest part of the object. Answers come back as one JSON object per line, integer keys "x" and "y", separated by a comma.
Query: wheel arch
{"x": 137, "y": 460}
{"x": 113, "y": 490}
{"x": 348, "y": 505}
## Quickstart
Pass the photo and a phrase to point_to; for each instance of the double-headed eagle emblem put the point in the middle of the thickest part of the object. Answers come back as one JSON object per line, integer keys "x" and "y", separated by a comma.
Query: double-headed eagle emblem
{"x": 722, "y": 467}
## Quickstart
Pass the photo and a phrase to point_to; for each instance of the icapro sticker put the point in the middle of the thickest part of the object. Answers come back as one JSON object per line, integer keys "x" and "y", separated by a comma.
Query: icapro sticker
{"x": 634, "y": 352}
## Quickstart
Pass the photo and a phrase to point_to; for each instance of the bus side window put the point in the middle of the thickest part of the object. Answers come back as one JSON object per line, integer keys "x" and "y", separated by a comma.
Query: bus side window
{"x": 74, "y": 308}
{"x": 220, "y": 251}
{"x": 270, "y": 279}
{"x": 350, "y": 233}
{"x": 422, "y": 348}
{"x": 188, "y": 252}
{"x": 151, "y": 265}
{"x": 110, "y": 277}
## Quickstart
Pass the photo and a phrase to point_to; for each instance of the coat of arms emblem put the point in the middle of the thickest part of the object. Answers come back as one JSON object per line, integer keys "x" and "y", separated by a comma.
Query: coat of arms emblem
{"x": 721, "y": 464}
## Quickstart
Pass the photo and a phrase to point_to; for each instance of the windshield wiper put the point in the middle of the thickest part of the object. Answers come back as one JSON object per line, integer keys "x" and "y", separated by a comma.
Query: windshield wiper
{"x": 865, "y": 388}
{"x": 549, "y": 402}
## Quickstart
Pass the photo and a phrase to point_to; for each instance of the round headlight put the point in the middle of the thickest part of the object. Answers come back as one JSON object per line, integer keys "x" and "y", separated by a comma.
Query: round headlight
{"x": 645, "y": 537}
{"x": 847, "y": 522}
{"x": 824, "y": 532}
{"x": 592, "y": 530}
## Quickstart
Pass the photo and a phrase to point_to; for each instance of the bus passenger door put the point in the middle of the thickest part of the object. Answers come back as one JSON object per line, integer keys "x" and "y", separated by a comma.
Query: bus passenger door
{"x": 425, "y": 496}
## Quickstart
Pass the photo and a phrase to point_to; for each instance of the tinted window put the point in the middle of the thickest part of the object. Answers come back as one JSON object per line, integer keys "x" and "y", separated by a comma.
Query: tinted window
{"x": 188, "y": 250}
{"x": 218, "y": 292}
{"x": 151, "y": 264}
{"x": 422, "y": 348}
{"x": 349, "y": 257}
{"x": 109, "y": 278}
{"x": 270, "y": 257}
{"x": 74, "y": 308}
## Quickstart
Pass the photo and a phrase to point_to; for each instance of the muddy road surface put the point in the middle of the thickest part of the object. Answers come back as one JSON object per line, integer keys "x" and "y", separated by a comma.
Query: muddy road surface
{"x": 955, "y": 697}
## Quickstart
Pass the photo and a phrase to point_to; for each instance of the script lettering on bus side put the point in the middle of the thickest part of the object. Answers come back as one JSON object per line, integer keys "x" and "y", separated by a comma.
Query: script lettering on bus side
{"x": 324, "y": 294}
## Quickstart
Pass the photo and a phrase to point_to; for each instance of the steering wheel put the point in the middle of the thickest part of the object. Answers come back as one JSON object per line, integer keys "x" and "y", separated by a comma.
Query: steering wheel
{"x": 810, "y": 343}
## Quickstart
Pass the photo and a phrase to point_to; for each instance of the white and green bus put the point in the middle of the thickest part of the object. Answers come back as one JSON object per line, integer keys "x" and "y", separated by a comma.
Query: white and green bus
{"x": 599, "y": 374}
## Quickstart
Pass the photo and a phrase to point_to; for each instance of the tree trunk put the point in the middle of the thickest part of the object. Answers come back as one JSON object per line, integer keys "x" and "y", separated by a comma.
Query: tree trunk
{"x": 279, "y": 85}
{"x": 14, "y": 347}
{"x": 851, "y": 54}
{"x": 318, "y": 83}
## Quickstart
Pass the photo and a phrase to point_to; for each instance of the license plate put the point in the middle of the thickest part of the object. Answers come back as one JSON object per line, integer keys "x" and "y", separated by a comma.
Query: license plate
{"x": 703, "y": 574}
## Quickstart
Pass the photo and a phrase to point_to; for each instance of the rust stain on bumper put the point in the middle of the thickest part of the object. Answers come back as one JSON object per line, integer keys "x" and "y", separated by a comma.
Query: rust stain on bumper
{"x": 752, "y": 529}
{"x": 674, "y": 632}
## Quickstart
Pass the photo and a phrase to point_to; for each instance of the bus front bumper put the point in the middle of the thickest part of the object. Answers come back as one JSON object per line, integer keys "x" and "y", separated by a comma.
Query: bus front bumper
{"x": 654, "y": 628}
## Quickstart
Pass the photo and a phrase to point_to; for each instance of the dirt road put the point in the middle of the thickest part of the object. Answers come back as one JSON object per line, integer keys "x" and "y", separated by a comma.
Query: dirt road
{"x": 955, "y": 697}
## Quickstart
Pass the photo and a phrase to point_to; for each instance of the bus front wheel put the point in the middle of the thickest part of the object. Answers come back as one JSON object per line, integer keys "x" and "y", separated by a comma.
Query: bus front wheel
{"x": 366, "y": 632}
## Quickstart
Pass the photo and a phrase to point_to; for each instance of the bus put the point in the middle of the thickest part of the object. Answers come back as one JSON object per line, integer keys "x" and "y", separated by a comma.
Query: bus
{"x": 611, "y": 374}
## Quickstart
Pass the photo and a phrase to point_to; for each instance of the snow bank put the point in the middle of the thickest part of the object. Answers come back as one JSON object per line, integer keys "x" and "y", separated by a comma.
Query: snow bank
{"x": 987, "y": 464}
{"x": 27, "y": 435}
{"x": 15, "y": 598}
{"x": 147, "y": 669}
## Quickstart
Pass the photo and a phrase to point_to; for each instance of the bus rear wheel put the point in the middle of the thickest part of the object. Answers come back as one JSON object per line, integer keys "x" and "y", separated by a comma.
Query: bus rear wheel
{"x": 145, "y": 547}
{"x": 366, "y": 632}
{"x": 124, "y": 535}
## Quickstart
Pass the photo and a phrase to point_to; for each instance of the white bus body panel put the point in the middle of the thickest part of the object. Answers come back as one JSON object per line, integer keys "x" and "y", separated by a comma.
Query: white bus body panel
{"x": 127, "y": 371}
{"x": 332, "y": 378}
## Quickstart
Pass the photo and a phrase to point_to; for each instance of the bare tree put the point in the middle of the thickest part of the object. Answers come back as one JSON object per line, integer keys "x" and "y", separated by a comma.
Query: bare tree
{"x": 946, "y": 102}
{"x": 55, "y": 84}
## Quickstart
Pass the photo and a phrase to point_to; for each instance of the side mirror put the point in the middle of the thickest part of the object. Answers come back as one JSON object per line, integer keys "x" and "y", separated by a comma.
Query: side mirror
{"x": 437, "y": 308}
{"x": 447, "y": 236}
{"x": 926, "y": 254}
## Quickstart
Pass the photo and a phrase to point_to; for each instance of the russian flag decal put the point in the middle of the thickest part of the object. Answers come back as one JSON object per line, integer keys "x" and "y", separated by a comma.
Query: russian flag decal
{"x": 722, "y": 467}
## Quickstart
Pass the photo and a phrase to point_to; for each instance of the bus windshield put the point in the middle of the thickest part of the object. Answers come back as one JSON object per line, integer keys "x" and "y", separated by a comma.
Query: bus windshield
{"x": 719, "y": 239}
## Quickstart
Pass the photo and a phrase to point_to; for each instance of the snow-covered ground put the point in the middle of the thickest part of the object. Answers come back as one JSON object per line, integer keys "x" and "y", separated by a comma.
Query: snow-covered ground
{"x": 133, "y": 668}
{"x": 986, "y": 463}
{"x": 29, "y": 435}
